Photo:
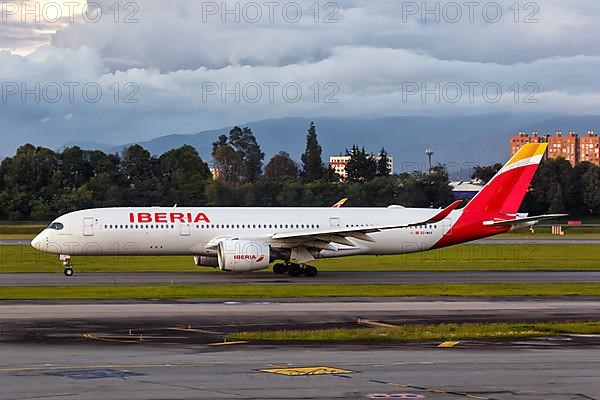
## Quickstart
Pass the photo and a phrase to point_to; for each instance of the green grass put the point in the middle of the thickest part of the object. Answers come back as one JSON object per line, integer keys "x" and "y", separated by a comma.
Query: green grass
{"x": 295, "y": 291}
{"x": 30, "y": 230}
{"x": 573, "y": 231}
{"x": 479, "y": 257}
{"x": 424, "y": 333}
{"x": 16, "y": 236}
{"x": 461, "y": 258}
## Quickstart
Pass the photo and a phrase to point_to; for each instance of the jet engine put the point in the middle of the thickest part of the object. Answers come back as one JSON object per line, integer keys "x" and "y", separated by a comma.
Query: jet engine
{"x": 243, "y": 255}
{"x": 203, "y": 261}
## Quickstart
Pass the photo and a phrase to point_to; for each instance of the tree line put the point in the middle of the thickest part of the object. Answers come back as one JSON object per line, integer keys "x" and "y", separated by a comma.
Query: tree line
{"x": 39, "y": 184}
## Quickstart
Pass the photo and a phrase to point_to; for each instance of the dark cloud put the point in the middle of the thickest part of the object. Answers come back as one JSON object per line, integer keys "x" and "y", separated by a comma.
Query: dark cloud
{"x": 174, "y": 63}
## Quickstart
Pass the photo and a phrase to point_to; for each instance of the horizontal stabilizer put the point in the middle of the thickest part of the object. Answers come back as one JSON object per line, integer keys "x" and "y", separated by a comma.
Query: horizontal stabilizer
{"x": 443, "y": 214}
{"x": 517, "y": 221}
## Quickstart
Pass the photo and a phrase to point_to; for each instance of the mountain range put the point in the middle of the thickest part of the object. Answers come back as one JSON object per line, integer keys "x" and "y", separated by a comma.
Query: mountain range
{"x": 458, "y": 141}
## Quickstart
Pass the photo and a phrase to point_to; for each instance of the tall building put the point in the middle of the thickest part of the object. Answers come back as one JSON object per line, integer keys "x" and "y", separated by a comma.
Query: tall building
{"x": 338, "y": 163}
{"x": 589, "y": 147}
{"x": 571, "y": 147}
{"x": 522, "y": 138}
{"x": 563, "y": 146}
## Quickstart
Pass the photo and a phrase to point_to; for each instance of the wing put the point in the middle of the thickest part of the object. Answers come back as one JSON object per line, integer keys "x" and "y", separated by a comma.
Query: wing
{"x": 302, "y": 242}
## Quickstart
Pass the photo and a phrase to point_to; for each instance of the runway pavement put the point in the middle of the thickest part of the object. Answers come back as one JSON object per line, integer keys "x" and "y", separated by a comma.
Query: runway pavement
{"x": 203, "y": 322}
{"x": 87, "y": 371}
{"x": 341, "y": 277}
{"x": 171, "y": 309}
{"x": 13, "y": 242}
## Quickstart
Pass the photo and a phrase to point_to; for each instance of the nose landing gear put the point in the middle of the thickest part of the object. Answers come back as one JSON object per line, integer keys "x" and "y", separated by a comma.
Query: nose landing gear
{"x": 293, "y": 269}
{"x": 67, "y": 264}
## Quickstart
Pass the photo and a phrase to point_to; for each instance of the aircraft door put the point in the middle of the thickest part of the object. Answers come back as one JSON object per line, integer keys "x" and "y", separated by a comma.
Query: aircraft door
{"x": 88, "y": 226}
{"x": 334, "y": 222}
{"x": 184, "y": 229}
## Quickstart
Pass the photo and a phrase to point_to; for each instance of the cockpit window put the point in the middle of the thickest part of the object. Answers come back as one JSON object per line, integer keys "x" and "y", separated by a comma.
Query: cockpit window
{"x": 56, "y": 226}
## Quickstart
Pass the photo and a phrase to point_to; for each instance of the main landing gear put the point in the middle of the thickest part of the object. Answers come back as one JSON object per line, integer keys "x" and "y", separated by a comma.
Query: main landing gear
{"x": 67, "y": 264}
{"x": 293, "y": 269}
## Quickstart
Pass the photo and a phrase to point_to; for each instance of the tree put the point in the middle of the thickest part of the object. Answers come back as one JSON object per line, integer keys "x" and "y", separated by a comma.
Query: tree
{"x": 226, "y": 161}
{"x": 249, "y": 152}
{"x": 183, "y": 175}
{"x": 361, "y": 167}
{"x": 30, "y": 170}
{"x": 138, "y": 168}
{"x": 436, "y": 187}
{"x": 486, "y": 173}
{"x": 75, "y": 167}
{"x": 312, "y": 163}
{"x": 280, "y": 166}
{"x": 591, "y": 189}
{"x": 137, "y": 165}
{"x": 383, "y": 167}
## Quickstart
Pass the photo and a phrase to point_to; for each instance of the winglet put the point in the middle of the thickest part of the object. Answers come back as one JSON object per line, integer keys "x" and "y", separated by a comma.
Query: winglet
{"x": 444, "y": 213}
{"x": 340, "y": 203}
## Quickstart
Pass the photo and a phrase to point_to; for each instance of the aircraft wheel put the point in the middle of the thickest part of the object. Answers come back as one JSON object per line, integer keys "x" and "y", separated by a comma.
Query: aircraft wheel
{"x": 311, "y": 271}
{"x": 68, "y": 271}
{"x": 295, "y": 270}
{"x": 279, "y": 269}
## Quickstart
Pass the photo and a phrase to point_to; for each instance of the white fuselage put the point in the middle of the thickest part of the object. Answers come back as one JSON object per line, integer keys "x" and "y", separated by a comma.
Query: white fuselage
{"x": 190, "y": 231}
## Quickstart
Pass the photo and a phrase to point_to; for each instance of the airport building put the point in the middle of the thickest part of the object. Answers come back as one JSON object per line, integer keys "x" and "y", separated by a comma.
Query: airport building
{"x": 571, "y": 147}
{"x": 338, "y": 163}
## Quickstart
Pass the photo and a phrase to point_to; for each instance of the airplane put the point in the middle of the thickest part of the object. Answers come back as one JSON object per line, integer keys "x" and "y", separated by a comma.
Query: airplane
{"x": 251, "y": 239}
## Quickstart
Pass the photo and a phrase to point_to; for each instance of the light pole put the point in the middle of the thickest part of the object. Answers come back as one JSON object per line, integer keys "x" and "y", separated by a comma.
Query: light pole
{"x": 429, "y": 153}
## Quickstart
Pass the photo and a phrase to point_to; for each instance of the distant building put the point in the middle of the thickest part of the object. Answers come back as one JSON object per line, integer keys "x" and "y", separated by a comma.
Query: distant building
{"x": 589, "y": 148}
{"x": 571, "y": 147}
{"x": 338, "y": 163}
{"x": 466, "y": 190}
{"x": 216, "y": 173}
{"x": 563, "y": 146}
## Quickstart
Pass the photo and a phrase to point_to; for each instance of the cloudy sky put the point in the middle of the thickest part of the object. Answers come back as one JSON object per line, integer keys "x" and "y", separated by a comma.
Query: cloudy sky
{"x": 115, "y": 72}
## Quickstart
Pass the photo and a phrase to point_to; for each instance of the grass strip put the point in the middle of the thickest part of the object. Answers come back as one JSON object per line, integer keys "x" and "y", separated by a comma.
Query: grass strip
{"x": 296, "y": 291}
{"x": 467, "y": 257}
{"x": 21, "y": 229}
{"x": 424, "y": 333}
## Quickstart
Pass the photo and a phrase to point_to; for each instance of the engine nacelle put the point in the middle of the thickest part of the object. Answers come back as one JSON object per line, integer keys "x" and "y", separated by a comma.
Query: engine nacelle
{"x": 203, "y": 261}
{"x": 243, "y": 255}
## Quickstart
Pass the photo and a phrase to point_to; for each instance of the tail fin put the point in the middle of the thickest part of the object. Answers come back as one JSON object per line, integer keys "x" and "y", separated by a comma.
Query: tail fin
{"x": 505, "y": 192}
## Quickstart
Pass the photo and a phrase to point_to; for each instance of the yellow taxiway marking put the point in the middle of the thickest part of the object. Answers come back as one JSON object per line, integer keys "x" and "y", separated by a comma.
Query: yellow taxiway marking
{"x": 375, "y": 323}
{"x": 131, "y": 339}
{"x": 194, "y": 330}
{"x": 304, "y": 371}
{"x": 226, "y": 343}
{"x": 448, "y": 344}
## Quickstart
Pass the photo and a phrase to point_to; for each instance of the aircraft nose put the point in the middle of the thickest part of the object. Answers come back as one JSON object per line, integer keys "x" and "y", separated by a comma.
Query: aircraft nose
{"x": 37, "y": 241}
